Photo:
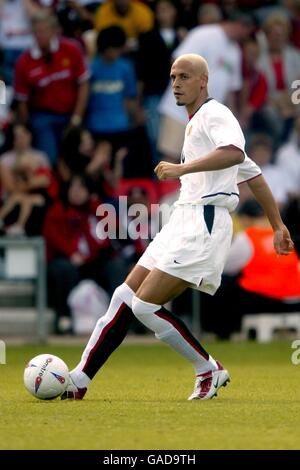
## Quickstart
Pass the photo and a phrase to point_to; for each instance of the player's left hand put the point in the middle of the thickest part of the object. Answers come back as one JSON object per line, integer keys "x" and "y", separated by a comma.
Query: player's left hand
{"x": 283, "y": 243}
{"x": 165, "y": 170}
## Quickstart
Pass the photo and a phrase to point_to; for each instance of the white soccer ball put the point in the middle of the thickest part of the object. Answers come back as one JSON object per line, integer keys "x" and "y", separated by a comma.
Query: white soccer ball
{"x": 46, "y": 376}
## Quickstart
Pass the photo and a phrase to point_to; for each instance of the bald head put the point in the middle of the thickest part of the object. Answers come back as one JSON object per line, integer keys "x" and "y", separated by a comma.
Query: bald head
{"x": 197, "y": 62}
{"x": 189, "y": 77}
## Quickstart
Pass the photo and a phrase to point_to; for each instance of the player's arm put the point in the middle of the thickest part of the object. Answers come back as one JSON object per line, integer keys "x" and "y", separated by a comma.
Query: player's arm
{"x": 262, "y": 193}
{"x": 219, "y": 159}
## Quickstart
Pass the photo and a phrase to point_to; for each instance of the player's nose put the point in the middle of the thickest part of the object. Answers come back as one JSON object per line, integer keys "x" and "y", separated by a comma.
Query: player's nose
{"x": 176, "y": 88}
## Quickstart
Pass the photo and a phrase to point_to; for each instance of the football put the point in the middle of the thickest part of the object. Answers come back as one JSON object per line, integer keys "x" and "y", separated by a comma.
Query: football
{"x": 46, "y": 376}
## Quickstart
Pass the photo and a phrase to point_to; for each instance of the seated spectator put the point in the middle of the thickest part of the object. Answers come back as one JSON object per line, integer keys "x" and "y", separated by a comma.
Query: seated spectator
{"x": 259, "y": 280}
{"x": 103, "y": 174}
{"x": 50, "y": 85}
{"x": 74, "y": 250}
{"x": 81, "y": 155}
{"x": 132, "y": 16}
{"x": 288, "y": 160}
{"x": 27, "y": 183}
{"x": 76, "y": 150}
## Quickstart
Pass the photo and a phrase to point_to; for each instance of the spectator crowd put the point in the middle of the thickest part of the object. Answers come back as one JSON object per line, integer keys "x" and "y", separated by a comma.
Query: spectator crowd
{"x": 89, "y": 113}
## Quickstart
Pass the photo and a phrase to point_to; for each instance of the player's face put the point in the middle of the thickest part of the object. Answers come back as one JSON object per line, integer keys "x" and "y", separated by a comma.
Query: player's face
{"x": 186, "y": 83}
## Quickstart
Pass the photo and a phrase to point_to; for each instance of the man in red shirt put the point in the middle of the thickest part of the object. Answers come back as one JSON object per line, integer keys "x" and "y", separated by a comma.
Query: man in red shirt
{"x": 51, "y": 84}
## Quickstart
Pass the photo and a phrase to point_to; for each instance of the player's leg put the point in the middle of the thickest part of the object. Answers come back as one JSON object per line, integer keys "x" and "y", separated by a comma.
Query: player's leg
{"x": 147, "y": 305}
{"x": 108, "y": 333}
{"x": 156, "y": 290}
{"x": 112, "y": 328}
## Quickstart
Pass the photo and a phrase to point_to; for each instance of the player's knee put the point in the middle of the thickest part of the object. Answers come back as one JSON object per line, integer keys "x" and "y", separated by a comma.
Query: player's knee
{"x": 125, "y": 293}
{"x": 145, "y": 312}
{"x": 137, "y": 307}
{"x": 118, "y": 292}
{"x": 142, "y": 309}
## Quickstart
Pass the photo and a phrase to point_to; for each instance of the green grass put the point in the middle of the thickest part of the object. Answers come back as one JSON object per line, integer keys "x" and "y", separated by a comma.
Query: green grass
{"x": 138, "y": 401}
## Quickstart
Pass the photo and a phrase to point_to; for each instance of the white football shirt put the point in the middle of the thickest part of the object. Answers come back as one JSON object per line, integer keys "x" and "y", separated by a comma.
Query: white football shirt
{"x": 211, "y": 127}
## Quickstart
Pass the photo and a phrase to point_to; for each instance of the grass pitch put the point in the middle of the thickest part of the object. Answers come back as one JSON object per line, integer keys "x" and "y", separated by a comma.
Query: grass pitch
{"x": 139, "y": 401}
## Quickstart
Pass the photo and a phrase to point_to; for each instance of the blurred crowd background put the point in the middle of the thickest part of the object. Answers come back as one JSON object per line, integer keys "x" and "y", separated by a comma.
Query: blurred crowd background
{"x": 89, "y": 113}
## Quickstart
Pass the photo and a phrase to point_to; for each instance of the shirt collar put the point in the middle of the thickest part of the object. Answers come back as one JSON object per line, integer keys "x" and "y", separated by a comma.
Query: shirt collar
{"x": 36, "y": 52}
{"x": 206, "y": 101}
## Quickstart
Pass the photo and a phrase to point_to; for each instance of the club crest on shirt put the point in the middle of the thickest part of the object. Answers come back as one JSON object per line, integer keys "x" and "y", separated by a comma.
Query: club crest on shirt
{"x": 65, "y": 62}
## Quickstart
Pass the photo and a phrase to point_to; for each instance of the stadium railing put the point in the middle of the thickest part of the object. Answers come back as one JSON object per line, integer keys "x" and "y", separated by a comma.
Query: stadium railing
{"x": 24, "y": 260}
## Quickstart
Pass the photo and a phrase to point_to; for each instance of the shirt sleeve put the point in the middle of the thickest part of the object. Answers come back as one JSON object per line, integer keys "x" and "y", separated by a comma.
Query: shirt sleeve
{"x": 223, "y": 129}
{"x": 247, "y": 170}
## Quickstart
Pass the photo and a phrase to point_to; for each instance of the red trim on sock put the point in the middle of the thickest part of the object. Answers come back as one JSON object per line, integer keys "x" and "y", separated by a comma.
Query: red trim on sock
{"x": 182, "y": 332}
{"x": 103, "y": 333}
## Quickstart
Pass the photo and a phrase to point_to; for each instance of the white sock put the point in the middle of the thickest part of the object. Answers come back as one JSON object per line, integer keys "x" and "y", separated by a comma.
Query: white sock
{"x": 203, "y": 367}
{"x": 167, "y": 329}
{"x": 122, "y": 294}
{"x": 80, "y": 379}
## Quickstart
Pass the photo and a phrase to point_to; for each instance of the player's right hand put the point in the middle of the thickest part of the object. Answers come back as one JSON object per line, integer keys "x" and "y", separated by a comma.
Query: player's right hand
{"x": 165, "y": 170}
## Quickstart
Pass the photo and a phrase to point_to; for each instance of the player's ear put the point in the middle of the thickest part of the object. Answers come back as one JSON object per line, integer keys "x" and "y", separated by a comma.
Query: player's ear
{"x": 203, "y": 80}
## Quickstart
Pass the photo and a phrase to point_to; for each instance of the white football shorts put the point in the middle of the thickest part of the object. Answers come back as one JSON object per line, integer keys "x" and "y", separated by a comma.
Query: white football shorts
{"x": 193, "y": 246}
